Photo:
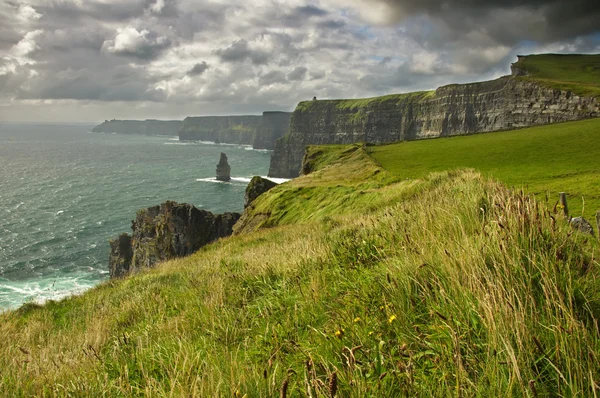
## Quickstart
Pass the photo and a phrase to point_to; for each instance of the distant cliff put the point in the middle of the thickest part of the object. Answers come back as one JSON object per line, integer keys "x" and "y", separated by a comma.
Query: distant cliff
{"x": 509, "y": 102}
{"x": 147, "y": 127}
{"x": 260, "y": 131}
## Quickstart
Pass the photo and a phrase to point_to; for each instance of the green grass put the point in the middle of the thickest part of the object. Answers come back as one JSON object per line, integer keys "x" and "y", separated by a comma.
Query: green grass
{"x": 360, "y": 103}
{"x": 448, "y": 285}
{"x": 577, "y": 73}
{"x": 544, "y": 160}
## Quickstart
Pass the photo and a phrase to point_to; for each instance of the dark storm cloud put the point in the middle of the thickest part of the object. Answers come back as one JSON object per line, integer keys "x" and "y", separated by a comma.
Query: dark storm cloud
{"x": 239, "y": 51}
{"x": 198, "y": 69}
{"x": 506, "y": 21}
{"x": 310, "y": 11}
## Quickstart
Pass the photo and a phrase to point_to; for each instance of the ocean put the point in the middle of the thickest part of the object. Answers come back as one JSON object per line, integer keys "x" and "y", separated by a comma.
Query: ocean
{"x": 64, "y": 192}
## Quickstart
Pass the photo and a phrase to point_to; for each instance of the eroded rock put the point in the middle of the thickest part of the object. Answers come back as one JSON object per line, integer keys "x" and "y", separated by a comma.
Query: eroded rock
{"x": 257, "y": 187}
{"x": 165, "y": 232}
{"x": 223, "y": 169}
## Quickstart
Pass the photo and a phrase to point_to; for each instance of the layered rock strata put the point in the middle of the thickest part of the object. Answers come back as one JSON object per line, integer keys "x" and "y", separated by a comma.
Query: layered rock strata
{"x": 506, "y": 103}
{"x": 165, "y": 232}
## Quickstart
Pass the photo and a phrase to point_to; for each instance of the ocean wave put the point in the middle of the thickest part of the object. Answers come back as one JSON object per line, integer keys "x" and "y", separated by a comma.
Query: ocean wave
{"x": 245, "y": 180}
{"x": 14, "y": 294}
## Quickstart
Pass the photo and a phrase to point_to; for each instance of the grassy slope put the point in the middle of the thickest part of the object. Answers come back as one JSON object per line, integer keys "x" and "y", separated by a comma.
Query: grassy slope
{"x": 547, "y": 159}
{"x": 577, "y": 73}
{"x": 432, "y": 287}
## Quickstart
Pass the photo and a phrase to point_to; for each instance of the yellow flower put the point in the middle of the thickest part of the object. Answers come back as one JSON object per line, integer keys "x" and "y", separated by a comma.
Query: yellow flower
{"x": 357, "y": 319}
{"x": 392, "y": 319}
{"x": 339, "y": 333}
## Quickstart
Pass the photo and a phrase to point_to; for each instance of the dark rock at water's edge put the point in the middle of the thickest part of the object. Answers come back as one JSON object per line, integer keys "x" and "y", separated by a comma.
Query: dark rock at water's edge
{"x": 223, "y": 169}
{"x": 146, "y": 127}
{"x": 165, "y": 232}
{"x": 121, "y": 253}
{"x": 506, "y": 103}
{"x": 257, "y": 187}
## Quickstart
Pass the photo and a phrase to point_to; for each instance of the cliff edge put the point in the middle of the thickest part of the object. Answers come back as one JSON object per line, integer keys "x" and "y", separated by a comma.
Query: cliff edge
{"x": 542, "y": 89}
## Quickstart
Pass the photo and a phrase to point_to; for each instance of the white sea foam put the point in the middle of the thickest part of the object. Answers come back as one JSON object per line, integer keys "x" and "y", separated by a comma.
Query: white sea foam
{"x": 15, "y": 293}
{"x": 244, "y": 180}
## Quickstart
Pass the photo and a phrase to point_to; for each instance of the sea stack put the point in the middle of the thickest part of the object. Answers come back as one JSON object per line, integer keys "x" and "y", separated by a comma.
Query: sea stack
{"x": 223, "y": 169}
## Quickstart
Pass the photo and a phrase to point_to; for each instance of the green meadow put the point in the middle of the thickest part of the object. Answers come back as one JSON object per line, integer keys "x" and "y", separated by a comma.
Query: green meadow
{"x": 541, "y": 160}
{"x": 351, "y": 281}
{"x": 574, "y": 72}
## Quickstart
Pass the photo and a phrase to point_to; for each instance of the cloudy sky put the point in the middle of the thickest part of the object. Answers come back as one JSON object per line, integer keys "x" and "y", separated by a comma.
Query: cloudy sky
{"x": 90, "y": 60}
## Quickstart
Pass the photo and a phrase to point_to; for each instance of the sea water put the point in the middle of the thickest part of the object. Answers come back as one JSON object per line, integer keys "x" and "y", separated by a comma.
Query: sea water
{"x": 64, "y": 192}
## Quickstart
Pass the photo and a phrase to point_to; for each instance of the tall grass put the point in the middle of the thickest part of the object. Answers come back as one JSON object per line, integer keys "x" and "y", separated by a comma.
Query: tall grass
{"x": 545, "y": 160}
{"x": 461, "y": 288}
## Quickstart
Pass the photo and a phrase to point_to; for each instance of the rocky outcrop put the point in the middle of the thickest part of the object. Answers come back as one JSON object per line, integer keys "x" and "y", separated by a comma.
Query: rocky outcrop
{"x": 165, "y": 232}
{"x": 260, "y": 131}
{"x": 223, "y": 169}
{"x": 257, "y": 187}
{"x": 121, "y": 253}
{"x": 582, "y": 225}
{"x": 147, "y": 127}
{"x": 505, "y": 103}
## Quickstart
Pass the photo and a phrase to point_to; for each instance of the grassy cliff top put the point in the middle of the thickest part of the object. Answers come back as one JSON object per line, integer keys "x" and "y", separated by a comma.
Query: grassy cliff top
{"x": 545, "y": 160}
{"x": 365, "y": 284}
{"x": 305, "y": 106}
{"x": 577, "y": 73}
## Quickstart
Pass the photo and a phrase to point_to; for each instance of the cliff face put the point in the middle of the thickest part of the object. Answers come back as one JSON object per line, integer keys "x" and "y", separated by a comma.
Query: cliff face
{"x": 506, "y": 103}
{"x": 226, "y": 129}
{"x": 274, "y": 126}
{"x": 147, "y": 127}
{"x": 164, "y": 232}
{"x": 258, "y": 131}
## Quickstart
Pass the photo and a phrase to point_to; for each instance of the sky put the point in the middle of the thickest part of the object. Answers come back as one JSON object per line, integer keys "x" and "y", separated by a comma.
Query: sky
{"x": 91, "y": 60}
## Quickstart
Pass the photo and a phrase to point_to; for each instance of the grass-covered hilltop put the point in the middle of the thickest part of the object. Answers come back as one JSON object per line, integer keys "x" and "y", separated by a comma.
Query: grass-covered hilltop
{"x": 436, "y": 267}
{"x": 349, "y": 281}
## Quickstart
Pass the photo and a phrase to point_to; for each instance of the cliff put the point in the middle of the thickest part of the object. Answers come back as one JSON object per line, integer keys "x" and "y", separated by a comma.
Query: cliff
{"x": 165, "y": 232}
{"x": 226, "y": 129}
{"x": 260, "y": 131}
{"x": 147, "y": 127}
{"x": 535, "y": 94}
{"x": 274, "y": 126}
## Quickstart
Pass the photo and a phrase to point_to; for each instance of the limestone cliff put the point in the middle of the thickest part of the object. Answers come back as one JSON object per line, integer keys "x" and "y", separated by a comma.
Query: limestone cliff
{"x": 147, "y": 127}
{"x": 260, "y": 131}
{"x": 505, "y": 103}
{"x": 274, "y": 126}
{"x": 226, "y": 129}
{"x": 164, "y": 232}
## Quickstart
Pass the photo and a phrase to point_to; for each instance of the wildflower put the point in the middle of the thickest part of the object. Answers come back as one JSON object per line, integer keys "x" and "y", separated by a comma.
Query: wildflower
{"x": 357, "y": 319}
{"x": 392, "y": 319}
{"x": 339, "y": 333}
{"x": 371, "y": 333}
